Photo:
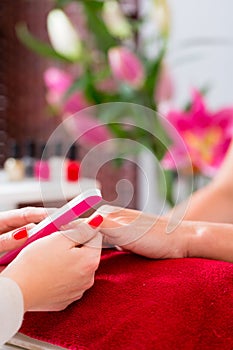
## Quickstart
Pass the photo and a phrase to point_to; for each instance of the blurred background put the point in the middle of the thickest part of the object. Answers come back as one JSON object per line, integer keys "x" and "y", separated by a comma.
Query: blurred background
{"x": 59, "y": 58}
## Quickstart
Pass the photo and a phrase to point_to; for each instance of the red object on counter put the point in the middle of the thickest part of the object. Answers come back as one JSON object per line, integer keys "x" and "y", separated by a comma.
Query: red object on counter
{"x": 73, "y": 165}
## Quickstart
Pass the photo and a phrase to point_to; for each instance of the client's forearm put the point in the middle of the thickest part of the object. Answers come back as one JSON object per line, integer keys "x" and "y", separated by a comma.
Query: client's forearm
{"x": 213, "y": 203}
{"x": 213, "y": 241}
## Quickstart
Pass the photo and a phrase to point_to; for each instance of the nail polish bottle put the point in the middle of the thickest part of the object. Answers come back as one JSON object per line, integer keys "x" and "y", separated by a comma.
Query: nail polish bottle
{"x": 41, "y": 169}
{"x": 57, "y": 164}
{"x": 73, "y": 166}
{"x": 14, "y": 166}
{"x": 29, "y": 158}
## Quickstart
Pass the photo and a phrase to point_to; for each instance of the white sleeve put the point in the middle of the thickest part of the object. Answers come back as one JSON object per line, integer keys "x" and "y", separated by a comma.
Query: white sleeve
{"x": 11, "y": 308}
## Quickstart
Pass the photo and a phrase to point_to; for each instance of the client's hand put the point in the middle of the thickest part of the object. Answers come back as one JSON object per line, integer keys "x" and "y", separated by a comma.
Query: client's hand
{"x": 17, "y": 218}
{"x": 157, "y": 237}
{"x": 52, "y": 272}
{"x": 143, "y": 234}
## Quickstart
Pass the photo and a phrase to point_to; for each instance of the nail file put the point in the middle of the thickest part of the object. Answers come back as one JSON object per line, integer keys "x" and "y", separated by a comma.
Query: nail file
{"x": 52, "y": 223}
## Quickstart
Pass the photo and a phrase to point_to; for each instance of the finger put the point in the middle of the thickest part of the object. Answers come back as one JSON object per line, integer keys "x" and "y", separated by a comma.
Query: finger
{"x": 117, "y": 216}
{"x": 80, "y": 232}
{"x": 95, "y": 242}
{"x": 72, "y": 224}
{"x": 13, "y": 240}
{"x": 124, "y": 226}
{"x": 20, "y": 217}
{"x": 90, "y": 253}
{"x": 109, "y": 212}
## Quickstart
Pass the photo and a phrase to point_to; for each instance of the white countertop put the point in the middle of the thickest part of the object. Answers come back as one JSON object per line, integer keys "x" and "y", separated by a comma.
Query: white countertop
{"x": 31, "y": 190}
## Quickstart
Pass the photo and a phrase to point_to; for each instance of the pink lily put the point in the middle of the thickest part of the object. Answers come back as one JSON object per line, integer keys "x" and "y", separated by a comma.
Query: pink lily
{"x": 126, "y": 66}
{"x": 206, "y": 134}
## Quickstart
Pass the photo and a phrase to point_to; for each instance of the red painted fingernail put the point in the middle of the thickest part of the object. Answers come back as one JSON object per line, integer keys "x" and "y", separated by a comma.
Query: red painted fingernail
{"x": 20, "y": 233}
{"x": 96, "y": 221}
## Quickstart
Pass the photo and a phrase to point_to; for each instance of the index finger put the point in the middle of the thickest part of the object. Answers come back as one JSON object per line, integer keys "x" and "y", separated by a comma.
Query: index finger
{"x": 82, "y": 231}
{"x": 15, "y": 218}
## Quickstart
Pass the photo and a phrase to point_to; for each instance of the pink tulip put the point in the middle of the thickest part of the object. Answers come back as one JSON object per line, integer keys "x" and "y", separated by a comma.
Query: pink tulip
{"x": 75, "y": 103}
{"x": 87, "y": 130}
{"x": 206, "y": 134}
{"x": 57, "y": 83}
{"x": 126, "y": 66}
{"x": 165, "y": 88}
{"x": 57, "y": 80}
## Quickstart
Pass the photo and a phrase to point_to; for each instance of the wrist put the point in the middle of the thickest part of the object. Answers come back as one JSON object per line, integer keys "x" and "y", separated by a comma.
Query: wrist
{"x": 197, "y": 240}
{"x": 211, "y": 241}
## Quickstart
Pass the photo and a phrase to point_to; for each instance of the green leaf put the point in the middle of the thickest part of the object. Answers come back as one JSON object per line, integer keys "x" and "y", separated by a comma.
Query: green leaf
{"x": 62, "y": 3}
{"x": 153, "y": 70}
{"x": 36, "y": 45}
{"x": 79, "y": 84}
{"x": 166, "y": 185}
{"x": 96, "y": 25}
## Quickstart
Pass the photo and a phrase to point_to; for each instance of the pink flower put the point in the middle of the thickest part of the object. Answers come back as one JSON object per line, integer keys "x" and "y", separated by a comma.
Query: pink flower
{"x": 57, "y": 80}
{"x": 165, "y": 88}
{"x": 75, "y": 103}
{"x": 206, "y": 134}
{"x": 87, "y": 130}
{"x": 82, "y": 125}
{"x": 57, "y": 83}
{"x": 126, "y": 66}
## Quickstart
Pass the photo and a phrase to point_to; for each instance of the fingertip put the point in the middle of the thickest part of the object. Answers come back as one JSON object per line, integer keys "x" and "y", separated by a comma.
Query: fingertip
{"x": 21, "y": 233}
{"x": 96, "y": 221}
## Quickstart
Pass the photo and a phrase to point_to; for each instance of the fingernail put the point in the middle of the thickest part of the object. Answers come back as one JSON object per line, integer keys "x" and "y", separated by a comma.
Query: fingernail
{"x": 20, "y": 233}
{"x": 96, "y": 221}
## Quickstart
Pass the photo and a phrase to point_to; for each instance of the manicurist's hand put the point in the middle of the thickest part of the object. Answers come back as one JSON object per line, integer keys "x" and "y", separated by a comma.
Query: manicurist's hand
{"x": 56, "y": 270}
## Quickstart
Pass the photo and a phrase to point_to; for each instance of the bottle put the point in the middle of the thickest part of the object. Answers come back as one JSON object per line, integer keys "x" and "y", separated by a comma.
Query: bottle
{"x": 41, "y": 169}
{"x": 29, "y": 158}
{"x": 14, "y": 166}
{"x": 57, "y": 164}
{"x": 73, "y": 166}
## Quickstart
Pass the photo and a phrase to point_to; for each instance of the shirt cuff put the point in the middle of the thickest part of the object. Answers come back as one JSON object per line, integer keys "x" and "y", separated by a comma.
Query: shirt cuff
{"x": 11, "y": 308}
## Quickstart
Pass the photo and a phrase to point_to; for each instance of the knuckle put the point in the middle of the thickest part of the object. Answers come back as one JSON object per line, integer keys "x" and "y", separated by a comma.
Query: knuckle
{"x": 61, "y": 307}
{"x": 26, "y": 213}
{"x": 90, "y": 282}
{"x": 4, "y": 243}
{"x": 78, "y": 297}
{"x": 93, "y": 265}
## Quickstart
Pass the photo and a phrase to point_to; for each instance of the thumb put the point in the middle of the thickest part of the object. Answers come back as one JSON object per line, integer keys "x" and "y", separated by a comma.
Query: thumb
{"x": 13, "y": 239}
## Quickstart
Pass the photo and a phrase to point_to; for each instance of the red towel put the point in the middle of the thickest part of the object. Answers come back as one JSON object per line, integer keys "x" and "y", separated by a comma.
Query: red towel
{"x": 138, "y": 303}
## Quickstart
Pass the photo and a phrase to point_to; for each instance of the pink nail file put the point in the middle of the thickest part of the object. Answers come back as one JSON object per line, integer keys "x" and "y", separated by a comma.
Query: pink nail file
{"x": 52, "y": 223}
